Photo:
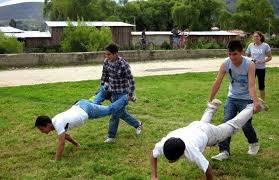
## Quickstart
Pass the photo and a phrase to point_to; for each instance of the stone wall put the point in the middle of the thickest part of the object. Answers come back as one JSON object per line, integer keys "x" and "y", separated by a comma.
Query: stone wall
{"x": 41, "y": 59}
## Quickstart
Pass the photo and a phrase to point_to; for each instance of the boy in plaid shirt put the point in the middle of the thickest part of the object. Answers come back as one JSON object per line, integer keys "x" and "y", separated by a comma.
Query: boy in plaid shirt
{"x": 118, "y": 80}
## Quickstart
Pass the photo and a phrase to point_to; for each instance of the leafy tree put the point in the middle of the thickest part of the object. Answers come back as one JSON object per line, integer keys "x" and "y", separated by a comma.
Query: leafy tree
{"x": 83, "y": 38}
{"x": 12, "y": 23}
{"x": 252, "y": 15}
{"x": 10, "y": 44}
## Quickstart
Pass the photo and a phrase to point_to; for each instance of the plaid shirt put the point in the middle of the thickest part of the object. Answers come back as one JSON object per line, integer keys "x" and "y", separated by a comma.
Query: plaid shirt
{"x": 118, "y": 76}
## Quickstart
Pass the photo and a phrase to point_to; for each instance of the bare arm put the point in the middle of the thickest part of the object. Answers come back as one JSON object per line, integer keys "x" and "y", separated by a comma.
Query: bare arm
{"x": 60, "y": 147}
{"x": 209, "y": 173}
{"x": 269, "y": 56}
{"x": 216, "y": 85}
{"x": 71, "y": 140}
{"x": 153, "y": 162}
{"x": 252, "y": 87}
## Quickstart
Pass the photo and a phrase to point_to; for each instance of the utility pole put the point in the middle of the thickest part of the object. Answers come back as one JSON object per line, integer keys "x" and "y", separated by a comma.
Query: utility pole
{"x": 269, "y": 28}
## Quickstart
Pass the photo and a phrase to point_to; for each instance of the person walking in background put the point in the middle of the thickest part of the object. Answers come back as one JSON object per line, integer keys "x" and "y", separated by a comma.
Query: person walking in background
{"x": 260, "y": 53}
{"x": 175, "y": 37}
{"x": 242, "y": 91}
{"x": 143, "y": 39}
{"x": 182, "y": 39}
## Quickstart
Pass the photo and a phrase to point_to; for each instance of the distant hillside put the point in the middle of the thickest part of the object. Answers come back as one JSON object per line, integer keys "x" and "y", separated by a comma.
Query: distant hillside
{"x": 232, "y": 3}
{"x": 22, "y": 11}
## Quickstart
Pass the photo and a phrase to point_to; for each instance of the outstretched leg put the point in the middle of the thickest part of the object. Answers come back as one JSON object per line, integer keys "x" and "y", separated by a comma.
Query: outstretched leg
{"x": 210, "y": 110}
{"x": 219, "y": 133}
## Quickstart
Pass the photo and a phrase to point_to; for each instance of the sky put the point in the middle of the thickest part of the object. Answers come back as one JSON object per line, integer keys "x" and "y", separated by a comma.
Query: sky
{"x": 9, "y": 2}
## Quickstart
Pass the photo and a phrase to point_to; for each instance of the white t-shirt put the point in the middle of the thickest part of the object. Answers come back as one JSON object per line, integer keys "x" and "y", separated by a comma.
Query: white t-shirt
{"x": 195, "y": 141}
{"x": 73, "y": 117}
{"x": 258, "y": 53}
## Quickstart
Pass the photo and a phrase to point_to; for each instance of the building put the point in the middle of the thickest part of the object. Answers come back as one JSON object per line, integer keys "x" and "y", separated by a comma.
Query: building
{"x": 121, "y": 32}
{"x": 158, "y": 37}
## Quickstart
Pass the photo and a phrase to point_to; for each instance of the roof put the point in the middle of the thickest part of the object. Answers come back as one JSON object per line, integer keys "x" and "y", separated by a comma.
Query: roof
{"x": 9, "y": 29}
{"x": 30, "y": 34}
{"x": 89, "y": 23}
{"x": 191, "y": 33}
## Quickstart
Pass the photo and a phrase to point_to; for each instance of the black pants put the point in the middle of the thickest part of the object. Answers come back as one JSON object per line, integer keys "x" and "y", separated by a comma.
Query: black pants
{"x": 260, "y": 73}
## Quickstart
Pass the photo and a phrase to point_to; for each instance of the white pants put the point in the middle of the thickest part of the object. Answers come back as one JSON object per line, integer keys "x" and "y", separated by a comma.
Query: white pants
{"x": 219, "y": 133}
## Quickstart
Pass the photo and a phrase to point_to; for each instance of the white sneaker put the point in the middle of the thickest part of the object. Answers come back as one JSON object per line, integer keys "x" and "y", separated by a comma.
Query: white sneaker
{"x": 263, "y": 105}
{"x": 109, "y": 140}
{"x": 215, "y": 103}
{"x": 221, "y": 156}
{"x": 138, "y": 129}
{"x": 253, "y": 148}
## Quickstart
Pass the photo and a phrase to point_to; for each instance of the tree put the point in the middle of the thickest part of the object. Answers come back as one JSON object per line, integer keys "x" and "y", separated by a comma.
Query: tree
{"x": 12, "y": 23}
{"x": 83, "y": 38}
{"x": 10, "y": 44}
{"x": 253, "y": 15}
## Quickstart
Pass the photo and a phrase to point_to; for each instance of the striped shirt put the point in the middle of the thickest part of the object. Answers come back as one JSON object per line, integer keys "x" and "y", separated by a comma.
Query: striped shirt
{"x": 117, "y": 74}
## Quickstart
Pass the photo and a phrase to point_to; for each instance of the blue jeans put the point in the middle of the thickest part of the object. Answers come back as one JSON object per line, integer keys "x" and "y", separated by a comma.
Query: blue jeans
{"x": 232, "y": 107}
{"x": 97, "y": 111}
{"x": 122, "y": 113}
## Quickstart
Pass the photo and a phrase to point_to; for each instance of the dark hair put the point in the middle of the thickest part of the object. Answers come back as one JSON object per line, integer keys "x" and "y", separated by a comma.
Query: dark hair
{"x": 173, "y": 148}
{"x": 235, "y": 45}
{"x": 42, "y": 121}
{"x": 261, "y": 35}
{"x": 113, "y": 48}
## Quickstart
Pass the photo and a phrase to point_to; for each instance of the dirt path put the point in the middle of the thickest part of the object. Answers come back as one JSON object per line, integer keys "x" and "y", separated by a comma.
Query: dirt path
{"x": 79, "y": 73}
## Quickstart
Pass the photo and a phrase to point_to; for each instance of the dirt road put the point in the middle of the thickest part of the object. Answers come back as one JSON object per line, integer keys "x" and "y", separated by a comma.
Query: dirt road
{"x": 79, "y": 73}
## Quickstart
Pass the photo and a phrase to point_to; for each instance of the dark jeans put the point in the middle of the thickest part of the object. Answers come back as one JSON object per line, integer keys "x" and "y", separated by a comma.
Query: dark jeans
{"x": 232, "y": 107}
{"x": 260, "y": 73}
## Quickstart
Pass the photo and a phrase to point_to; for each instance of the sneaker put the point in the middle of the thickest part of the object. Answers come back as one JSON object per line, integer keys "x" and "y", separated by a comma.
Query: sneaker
{"x": 138, "y": 129}
{"x": 109, "y": 140}
{"x": 133, "y": 99}
{"x": 263, "y": 105}
{"x": 253, "y": 148}
{"x": 221, "y": 156}
{"x": 215, "y": 103}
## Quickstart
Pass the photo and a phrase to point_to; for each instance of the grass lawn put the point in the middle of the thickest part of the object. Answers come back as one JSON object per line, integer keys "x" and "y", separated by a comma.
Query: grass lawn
{"x": 164, "y": 104}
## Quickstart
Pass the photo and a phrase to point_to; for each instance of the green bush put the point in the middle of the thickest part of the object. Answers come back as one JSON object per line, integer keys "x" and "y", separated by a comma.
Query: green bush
{"x": 165, "y": 45}
{"x": 274, "y": 42}
{"x": 85, "y": 38}
{"x": 205, "y": 44}
{"x": 10, "y": 44}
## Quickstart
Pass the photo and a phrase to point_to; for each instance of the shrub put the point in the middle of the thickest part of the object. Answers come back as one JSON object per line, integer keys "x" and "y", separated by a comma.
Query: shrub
{"x": 85, "y": 38}
{"x": 205, "y": 44}
{"x": 165, "y": 45}
{"x": 10, "y": 44}
{"x": 274, "y": 42}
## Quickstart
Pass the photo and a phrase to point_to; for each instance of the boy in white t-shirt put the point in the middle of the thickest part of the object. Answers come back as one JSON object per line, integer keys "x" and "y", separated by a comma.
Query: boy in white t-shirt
{"x": 74, "y": 117}
{"x": 192, "y": 139}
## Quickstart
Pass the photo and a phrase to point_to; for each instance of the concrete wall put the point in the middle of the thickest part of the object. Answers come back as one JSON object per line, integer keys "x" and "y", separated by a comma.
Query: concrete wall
{"x": 156, "y": 39}
{"x": 39, "y": 59}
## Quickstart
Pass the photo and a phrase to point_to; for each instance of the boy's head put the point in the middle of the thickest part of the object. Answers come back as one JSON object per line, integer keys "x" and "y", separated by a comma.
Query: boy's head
{"x": 235, "y": 49}
{"x": 173, "y": 149}
{"x": 44, "y": 124}
{"x": 111, "y": 52}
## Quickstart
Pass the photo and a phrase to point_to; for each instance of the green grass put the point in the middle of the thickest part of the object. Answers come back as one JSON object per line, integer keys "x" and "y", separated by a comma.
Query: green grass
{"x": 165, "y": 103}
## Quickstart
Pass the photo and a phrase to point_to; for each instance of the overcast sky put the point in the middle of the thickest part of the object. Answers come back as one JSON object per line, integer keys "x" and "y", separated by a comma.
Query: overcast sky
{"x": 9, "y": 2}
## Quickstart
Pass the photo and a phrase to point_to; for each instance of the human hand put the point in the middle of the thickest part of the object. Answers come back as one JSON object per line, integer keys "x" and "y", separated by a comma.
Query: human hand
{"x": 257, "y": 106}
{"x": 260, "y": 62}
